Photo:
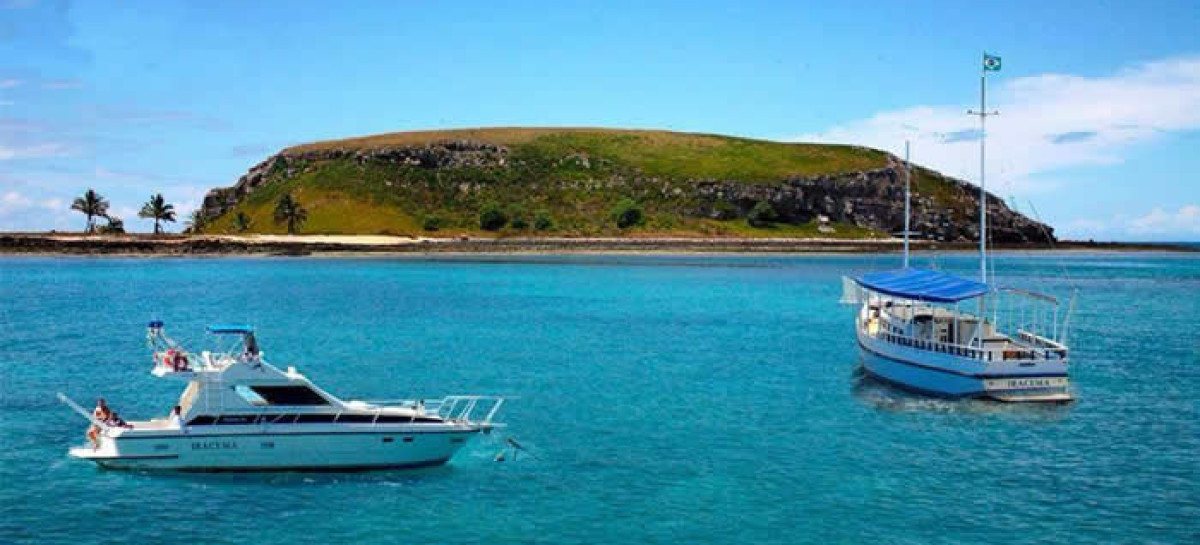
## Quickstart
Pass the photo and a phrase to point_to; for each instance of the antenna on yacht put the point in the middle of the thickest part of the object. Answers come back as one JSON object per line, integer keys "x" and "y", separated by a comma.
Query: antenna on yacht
{"x": 907, "y": 175}
{"x": 990, "y": 64}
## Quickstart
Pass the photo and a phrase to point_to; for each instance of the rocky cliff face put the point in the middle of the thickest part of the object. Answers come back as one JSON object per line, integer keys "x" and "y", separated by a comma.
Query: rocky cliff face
{"x": 444, "y": 155}
{"x": 948, "y": 211}
{"x": 875, "y": 199}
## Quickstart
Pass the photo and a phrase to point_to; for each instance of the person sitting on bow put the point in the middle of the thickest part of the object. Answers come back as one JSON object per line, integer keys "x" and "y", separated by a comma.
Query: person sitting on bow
{"x": 100, "y": 414}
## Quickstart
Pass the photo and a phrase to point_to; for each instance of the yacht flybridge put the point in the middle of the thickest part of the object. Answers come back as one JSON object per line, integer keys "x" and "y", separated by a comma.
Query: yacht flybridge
{"x": 914, "y": 332}
{"x": 238, "y": 412}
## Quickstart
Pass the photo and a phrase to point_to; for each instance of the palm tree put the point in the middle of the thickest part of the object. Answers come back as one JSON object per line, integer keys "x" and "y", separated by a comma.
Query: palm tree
{"x": 92, "y": 205}
{"x": 241, "y": 222}
{"x": 159, "y": 209}
{"x": 197, "y": 221}
{"x": 289, "y": 210}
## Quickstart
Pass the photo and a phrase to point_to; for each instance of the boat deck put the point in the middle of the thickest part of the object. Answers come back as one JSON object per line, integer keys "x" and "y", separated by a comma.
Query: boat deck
{"x": 945, "y": 330}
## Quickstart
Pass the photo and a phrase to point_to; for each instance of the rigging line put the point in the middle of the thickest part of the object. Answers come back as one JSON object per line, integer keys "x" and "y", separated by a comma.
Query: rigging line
{"x": 1049, "y": 239}
{"x": 1042, "y": 279}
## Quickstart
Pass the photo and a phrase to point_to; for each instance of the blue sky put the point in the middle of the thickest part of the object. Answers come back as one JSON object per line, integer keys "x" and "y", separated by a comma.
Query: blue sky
{"x": 1101, "y": 100}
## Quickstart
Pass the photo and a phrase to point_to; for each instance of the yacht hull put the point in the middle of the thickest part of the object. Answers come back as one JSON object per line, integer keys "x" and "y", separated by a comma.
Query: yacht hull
{"x": 293, "y": 451}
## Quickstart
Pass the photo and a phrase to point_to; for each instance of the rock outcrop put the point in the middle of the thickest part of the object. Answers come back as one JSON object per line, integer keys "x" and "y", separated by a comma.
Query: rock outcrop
{"x": 875, "y": 199}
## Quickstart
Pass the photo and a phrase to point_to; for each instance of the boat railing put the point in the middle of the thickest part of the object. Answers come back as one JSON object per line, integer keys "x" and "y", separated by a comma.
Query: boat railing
{"x": 1046, "y": 345}
{"x": 467, "y": 408}
{"x": 462, "y": 409}
{"x": 178, "y": 361}
{"x": 1045, "y": 352}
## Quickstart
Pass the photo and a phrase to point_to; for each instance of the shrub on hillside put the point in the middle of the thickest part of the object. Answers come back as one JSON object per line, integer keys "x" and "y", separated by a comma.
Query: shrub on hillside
{"x": 432, "y": 223}
{"x": 628, "y": 214}
{"x": 241, "y": 222}
{"x": 519, "y": 217}
{"x": 542, "y": 221}
{"x": 115, "y": 226}
{"x": 725, "y": 210}
{"x": 492, "y": 218}
{"x": 762, "y": 215}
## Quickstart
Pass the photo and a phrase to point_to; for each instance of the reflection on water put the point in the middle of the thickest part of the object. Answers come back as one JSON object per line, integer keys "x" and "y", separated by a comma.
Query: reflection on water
{"x": 285, "y": 479}
{"x": 711, "y": 401}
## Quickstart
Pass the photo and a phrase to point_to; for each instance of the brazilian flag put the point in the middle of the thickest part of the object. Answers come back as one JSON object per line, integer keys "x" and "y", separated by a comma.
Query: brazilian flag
{"x": 991, "y": 63}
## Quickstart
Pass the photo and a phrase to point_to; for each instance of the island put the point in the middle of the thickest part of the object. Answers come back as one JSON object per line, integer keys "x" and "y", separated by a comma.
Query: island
{"x": 572, "y": 189}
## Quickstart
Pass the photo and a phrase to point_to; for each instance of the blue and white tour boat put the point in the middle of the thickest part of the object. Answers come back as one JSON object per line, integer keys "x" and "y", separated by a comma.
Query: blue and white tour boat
{"x": 940, "y": 334}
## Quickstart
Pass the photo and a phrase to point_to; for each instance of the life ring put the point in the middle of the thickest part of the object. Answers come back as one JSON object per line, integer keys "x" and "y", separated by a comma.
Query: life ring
{"x": 168, "y": 358}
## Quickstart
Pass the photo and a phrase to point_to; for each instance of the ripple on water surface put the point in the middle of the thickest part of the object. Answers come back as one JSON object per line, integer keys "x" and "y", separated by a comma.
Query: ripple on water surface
{"x": 663, "y": 399}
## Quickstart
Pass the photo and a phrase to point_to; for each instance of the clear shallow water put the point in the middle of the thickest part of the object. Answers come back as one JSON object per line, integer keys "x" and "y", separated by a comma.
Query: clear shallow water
{"x": 665, "y": 399}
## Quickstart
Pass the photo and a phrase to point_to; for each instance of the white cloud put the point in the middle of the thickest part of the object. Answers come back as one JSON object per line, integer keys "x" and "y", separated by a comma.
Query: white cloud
{"x": 1157, "y": 224}
{"x": 19, "y": 211}
{"x": 62, "y": 84}
{"x": 9, "y": 83}
{"x": 127, "y": 213}
{"x": 11, "y": 200}
{"x": 1047, "y": 122}
{"x": 31, "y": 151}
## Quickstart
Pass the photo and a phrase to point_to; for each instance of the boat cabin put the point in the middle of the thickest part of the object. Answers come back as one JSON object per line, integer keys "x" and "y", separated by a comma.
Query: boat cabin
{"x": 936, "y": 311}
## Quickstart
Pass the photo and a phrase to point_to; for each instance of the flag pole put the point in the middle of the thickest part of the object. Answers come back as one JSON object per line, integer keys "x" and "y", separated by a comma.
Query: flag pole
{"x": 983, "y": 113}
{"x": 907, "y": 175}
{"x": 982, "y": 176}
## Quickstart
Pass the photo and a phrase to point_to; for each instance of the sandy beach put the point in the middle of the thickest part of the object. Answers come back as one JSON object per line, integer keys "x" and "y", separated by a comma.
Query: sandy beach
{"x": 287, "y": 245}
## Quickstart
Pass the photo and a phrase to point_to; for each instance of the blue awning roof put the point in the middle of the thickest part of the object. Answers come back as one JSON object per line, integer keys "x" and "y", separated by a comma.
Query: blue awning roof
{"x": 223, "y": 329}
{"x": 922, "y": 285}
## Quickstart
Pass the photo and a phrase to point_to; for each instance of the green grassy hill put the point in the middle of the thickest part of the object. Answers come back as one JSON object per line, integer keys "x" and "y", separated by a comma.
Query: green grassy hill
{"x": 655, "y": 153}
{"x": 686, "y": 184}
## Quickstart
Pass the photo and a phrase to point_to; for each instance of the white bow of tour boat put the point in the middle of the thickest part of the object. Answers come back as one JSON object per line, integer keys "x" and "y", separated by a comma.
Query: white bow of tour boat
{"x": 240, "y": 413}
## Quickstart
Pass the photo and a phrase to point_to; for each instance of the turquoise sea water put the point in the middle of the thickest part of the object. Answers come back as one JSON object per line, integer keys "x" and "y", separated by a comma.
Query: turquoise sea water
{"x": 663, "y": 399}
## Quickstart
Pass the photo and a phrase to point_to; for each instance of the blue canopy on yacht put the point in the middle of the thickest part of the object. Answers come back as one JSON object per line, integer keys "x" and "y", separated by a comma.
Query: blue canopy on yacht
{"x": 225, "y": 329}
{"x": 922, "y": 285}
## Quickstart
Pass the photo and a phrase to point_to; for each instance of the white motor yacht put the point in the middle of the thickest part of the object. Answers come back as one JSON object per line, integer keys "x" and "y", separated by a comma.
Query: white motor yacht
{"x": 240, "y": 413}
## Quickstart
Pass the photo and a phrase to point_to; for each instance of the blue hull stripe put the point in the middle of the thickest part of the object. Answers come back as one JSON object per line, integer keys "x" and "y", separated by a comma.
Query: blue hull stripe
{"x": 102, "y": 460}
{"x": 289, "y": 434}
{"x": 286, "y": 469}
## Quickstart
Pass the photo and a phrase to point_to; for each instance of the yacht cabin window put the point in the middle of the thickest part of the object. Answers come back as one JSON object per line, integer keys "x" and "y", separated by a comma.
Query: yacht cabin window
{"x": 280, "y": 395}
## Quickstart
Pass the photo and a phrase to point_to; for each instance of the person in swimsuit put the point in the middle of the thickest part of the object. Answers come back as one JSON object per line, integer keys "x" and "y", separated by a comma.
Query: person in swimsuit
{"x": 100, "y": 414}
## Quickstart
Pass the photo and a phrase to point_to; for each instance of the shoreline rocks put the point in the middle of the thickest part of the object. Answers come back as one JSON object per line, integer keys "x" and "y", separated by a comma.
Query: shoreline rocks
{"x": 201, "y": 245}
